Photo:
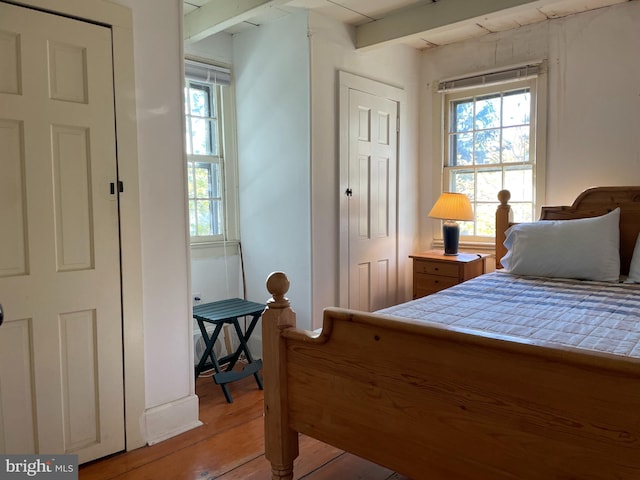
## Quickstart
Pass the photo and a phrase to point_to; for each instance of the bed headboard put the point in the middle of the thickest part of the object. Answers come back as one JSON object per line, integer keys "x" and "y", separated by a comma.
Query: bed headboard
{"x": 590, "y": 203}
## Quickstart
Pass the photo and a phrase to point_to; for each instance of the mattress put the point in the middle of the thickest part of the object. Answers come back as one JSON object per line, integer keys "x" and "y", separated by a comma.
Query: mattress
{"x": 597, "y": 316}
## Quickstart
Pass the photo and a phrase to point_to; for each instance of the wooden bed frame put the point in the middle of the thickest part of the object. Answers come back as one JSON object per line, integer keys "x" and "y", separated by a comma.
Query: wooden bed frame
{"x": 435, "y": 403}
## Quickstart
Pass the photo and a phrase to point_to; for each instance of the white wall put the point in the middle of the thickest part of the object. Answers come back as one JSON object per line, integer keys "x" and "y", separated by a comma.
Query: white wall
{"x": 218, "y": 47}
{"x": 594, "y": 101}
{"x": 216, "y": 273}
{"x": 271, "y": 66}
{"x": 593, "y": 97}
{"x": 332, "y": 50}
{"x": 169, "y": 384}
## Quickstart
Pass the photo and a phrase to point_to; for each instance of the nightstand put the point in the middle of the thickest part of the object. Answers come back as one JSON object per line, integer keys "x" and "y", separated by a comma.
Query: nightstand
{"x": 433, "y": 271}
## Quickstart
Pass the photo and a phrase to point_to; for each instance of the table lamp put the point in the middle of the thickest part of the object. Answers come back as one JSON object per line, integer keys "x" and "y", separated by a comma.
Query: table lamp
{"x": 451, "y": 207}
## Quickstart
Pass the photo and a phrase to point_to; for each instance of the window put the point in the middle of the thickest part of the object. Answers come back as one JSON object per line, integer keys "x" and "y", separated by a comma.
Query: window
{"x": 210, "y": 153}
{"x": 490, "y": 143}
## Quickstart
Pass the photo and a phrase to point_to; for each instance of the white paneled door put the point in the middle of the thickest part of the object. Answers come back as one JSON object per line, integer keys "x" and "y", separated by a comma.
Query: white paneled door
{"x": 61, "y": 374}
{"x": 372, "y": 196}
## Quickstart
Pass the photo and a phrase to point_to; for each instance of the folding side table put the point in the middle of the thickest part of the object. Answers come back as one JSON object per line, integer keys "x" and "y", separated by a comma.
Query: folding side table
{"x": 228, "y": 312}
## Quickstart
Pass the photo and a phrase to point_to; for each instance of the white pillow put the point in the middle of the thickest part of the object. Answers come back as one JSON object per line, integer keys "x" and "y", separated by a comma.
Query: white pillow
{"x": 634, "y": 268}
{"x": 586, "y": 248}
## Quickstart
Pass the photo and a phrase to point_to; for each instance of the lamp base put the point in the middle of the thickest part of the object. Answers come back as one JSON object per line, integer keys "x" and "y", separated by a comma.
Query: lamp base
{"x": 451, "y": 237}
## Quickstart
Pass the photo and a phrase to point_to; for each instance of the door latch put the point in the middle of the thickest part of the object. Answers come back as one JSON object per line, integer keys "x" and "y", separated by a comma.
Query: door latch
{"x": 1, "y": 314}
{"x": 112, "y": 187}
{"x": 348, "y": 192}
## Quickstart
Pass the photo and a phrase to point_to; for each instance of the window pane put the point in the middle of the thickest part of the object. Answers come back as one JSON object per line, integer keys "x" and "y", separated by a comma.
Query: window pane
{"x": 203, "y": 181}
{"x": 213, "y": 137}
{"x": 487, "y": 147}
{"x": 193, "y": 229}
{"x": 485, "y": 219}
{"x": 461, "y": 149}
{"x": 203, "y": 217}
{"x": 188, "y": 138}
{"x": 516, "y": 108}
{"x": 466, "y": 228}
{"x": 488, "y": 112}
{"x": 216, "y": 217}
{"x": 207, "y": 180}
{"x": 200, "y": 138}
{"x": 519, "y": 182}
{"x": 203, "y": 136}
{"x": 216, "y": 180}
{"x": 462, "y": 181}
{"x": 190, "y": 181}
{"x": 489, "y": 184}
{"x": 200, "y": 100}
{"x": 522, "y": 212}
{"x": 515, "y": 144}
{"x": 462, "y": 118}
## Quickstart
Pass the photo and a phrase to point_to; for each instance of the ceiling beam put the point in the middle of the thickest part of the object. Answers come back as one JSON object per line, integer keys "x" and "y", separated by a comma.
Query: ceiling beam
{"x": 217, "y": 15}
{"x": 415, "y": 20}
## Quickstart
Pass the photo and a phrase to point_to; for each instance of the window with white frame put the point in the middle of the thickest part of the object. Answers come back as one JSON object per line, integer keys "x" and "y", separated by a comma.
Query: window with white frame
{"x": 210, "y": 153}
{"x": 492, "y": 141}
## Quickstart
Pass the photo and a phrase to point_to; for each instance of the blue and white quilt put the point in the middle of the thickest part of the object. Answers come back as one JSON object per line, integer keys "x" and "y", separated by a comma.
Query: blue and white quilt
{"x": 598, "y": 316}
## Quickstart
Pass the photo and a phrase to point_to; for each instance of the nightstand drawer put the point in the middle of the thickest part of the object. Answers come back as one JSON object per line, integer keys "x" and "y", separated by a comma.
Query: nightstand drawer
{"x": 437, "y": 268}
{"x": 433, "y": 271}
{"x": 434, "y": 283}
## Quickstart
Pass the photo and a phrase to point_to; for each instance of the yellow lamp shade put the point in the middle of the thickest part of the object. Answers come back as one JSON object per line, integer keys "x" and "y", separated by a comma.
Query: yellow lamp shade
{"x": 452, "y": 206}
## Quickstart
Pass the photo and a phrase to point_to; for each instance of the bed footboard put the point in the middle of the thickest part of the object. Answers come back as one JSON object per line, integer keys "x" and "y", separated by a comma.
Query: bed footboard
{"x": 431, "y": 402}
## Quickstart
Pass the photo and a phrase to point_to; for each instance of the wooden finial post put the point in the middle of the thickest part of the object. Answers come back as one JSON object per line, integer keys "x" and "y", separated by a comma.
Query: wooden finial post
{"x": 281, "y": 443}
{"x": 504, "y": 218}
{"x": 278, "y": 285}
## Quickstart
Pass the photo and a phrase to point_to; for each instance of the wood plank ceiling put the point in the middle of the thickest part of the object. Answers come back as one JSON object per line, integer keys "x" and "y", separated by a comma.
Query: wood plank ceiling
{"x": 420, "y": 24}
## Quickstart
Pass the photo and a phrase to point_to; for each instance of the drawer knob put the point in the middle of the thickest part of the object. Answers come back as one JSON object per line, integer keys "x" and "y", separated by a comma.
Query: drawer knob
{"x": 436, "y": 269}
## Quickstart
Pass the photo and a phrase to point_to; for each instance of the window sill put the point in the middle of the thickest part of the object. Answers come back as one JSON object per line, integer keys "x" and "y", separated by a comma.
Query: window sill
{"x": 480, "y": 247}
{"x": 215, "y": 249}
{"x": 214, "y": 243}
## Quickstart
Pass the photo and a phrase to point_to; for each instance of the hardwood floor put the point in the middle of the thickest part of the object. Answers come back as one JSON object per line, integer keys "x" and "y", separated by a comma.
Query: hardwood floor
{"x": 229, "y": 446}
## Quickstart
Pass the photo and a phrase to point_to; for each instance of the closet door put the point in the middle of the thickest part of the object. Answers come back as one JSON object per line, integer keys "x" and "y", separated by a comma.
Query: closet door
{"x": 369, "y": 241}
{"x": 61, "y": 372}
